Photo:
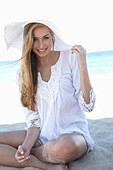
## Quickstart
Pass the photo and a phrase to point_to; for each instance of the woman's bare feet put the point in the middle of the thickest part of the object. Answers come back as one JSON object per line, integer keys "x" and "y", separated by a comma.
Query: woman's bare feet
{"x": 57, "y": 167}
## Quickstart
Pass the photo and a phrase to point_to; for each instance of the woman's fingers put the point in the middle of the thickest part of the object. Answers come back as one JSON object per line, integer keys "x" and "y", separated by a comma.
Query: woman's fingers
{"x": 78, "y": 50}
{"x": 22, "y": 159}
{"x": 20, "y": 149}
{"x": 18, "y": 156}
{"x": 81, "y": 55}
{"x": 25, "y": 160}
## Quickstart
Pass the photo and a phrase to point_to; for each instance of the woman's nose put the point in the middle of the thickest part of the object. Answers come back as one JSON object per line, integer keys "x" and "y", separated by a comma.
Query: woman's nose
{"x": 40, "y": 44}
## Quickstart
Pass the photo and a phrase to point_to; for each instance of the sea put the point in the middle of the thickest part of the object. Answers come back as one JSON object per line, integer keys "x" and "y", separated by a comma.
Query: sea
{"x": 97, "y": 62}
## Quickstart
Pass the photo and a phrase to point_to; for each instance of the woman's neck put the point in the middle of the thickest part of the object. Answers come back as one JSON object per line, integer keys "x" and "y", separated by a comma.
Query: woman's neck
{"x": 48, "y": 60}
{"x": 43, "y": 61}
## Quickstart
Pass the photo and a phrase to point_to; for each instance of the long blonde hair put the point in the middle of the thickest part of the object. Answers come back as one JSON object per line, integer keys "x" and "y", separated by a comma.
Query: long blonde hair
{"x": 28, "y": 79}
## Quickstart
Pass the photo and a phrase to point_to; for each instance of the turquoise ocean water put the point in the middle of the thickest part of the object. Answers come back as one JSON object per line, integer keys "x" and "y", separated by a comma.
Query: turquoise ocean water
{"x": 98, "y": 63}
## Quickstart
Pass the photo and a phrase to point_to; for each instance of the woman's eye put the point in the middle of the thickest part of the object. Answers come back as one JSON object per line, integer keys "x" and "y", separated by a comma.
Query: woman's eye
{"x": 34, "y": 39}
{"x": 46, "y": 37}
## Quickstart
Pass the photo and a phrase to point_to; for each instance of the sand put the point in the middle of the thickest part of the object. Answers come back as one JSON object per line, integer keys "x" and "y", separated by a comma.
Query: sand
{"x": 100, "y": 122}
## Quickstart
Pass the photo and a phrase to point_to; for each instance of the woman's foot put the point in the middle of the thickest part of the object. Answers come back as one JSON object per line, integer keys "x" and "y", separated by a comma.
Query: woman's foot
{"x": 57, "y": 167}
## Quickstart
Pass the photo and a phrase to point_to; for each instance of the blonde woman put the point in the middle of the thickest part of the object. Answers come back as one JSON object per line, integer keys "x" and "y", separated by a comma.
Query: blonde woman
{"x": 55, "y": 90}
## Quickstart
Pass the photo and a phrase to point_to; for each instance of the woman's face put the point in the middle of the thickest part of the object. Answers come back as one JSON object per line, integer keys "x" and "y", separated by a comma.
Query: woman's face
{"x": 42, "y": 41}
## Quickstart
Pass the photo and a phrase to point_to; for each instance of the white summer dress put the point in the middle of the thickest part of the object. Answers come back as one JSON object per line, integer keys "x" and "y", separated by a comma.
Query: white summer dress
{"x": 60, "y": 103}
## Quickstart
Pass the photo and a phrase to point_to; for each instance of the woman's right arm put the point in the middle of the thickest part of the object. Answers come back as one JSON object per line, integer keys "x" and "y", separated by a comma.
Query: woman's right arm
{"x": 23, "y": 152}
{"x": 31, "y": 137}
{"x": 33, "y": 132}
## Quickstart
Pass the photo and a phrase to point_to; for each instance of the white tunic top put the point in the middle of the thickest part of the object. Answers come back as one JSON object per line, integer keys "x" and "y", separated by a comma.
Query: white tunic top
{"x": 60, "y": 102}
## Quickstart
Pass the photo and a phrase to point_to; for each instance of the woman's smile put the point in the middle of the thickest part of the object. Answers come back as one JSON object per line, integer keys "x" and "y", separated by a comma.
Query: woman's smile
{"x": 41, "y": 51}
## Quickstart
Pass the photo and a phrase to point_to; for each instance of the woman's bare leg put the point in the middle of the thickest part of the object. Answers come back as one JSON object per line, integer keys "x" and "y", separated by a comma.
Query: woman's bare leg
{"x": 65, "y": 148}
{"x": 9, "y": 142}
{"x": 12, "y": 138}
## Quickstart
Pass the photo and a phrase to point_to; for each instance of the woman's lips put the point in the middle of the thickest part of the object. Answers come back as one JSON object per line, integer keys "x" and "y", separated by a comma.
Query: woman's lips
{"x": 42, "y": 51}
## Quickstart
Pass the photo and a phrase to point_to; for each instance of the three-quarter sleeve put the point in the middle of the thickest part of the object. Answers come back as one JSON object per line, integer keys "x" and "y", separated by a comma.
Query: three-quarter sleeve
{"x": 87, "y": 107}
{"x": 77, "y": 86}
{"x": 32, "y": 118}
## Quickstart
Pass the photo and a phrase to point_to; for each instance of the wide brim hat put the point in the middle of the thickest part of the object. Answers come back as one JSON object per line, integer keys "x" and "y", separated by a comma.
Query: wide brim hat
{"x": 13, "y": 35}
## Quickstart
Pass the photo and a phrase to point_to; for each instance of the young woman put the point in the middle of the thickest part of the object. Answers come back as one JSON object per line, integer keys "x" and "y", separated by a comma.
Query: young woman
{"x": 55, "y": 90}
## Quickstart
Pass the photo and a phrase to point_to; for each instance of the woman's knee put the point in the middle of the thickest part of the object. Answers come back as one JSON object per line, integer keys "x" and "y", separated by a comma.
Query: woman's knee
{"x": 69, "y": 146}
{"x": 64, "y": 145}
{"x": 65, "y": 148}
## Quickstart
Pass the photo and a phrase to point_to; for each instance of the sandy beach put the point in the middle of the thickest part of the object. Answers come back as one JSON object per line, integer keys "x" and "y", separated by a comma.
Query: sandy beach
{"x": 100, "y": 122}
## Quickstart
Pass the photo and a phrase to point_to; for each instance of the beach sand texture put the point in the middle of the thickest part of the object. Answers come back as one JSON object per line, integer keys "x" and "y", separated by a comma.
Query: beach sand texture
{"x": 100, "y": 123}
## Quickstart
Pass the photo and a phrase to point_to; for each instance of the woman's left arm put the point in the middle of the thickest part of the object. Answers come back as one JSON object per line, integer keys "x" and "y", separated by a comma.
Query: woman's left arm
{"x": 84, "y": 77}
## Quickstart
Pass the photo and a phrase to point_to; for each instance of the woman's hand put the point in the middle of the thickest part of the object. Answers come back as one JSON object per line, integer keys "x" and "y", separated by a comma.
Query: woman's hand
{"x": 81, "y": 56}
{"x": 22, "y": 155}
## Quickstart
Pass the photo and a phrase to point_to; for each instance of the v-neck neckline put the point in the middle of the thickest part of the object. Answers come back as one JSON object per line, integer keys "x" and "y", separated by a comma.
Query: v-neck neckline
{"x": 52, "y": 67}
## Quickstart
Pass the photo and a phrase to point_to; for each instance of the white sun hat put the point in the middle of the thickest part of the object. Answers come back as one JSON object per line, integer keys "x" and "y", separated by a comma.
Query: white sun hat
{"x": 13, "y": 35}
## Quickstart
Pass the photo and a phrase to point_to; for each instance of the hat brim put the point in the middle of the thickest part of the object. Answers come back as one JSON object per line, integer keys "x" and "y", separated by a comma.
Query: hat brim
{"x": 13, "y": 35}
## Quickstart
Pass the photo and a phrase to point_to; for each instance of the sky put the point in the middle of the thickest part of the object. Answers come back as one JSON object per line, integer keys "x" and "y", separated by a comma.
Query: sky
{"x": 85, "y": 22}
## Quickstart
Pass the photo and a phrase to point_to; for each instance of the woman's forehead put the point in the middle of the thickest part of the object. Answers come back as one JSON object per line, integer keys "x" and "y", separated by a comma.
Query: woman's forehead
{"x": 41, "y": 30}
